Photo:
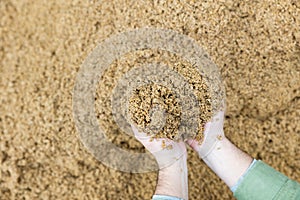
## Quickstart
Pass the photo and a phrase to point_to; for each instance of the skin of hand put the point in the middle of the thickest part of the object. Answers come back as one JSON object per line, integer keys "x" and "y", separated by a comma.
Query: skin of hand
{"x": 172, "y": 162}
{"x": 213, "y": 134}
{"x": 223, "y": 157}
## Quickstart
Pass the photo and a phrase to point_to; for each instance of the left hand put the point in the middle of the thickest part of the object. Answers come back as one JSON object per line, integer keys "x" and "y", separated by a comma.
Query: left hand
{"x": 165, "y": 151}
{"x": 171, "y": 158}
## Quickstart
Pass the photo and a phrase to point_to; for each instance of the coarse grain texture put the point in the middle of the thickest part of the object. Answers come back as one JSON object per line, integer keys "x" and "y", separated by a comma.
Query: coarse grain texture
{"x": 256, "y": 44}
{"x": 141, "y": 102}
{"x": 148, "y": 97}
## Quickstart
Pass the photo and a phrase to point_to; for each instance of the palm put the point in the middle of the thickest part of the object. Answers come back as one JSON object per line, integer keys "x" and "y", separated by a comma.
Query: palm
{"x": 165, "y": 151}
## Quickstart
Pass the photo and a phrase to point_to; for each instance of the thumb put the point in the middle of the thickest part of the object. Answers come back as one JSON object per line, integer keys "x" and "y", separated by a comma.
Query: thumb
{"x": 141, "y": 136}
{"x": 193, "y": 143}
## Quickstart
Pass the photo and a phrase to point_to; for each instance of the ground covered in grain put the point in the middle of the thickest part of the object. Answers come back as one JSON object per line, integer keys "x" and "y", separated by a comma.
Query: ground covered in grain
{"x": 256, "y": 45}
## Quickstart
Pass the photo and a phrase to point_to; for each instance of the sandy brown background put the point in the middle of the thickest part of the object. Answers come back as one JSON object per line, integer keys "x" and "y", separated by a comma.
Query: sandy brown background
{"x": 256, "y": 44}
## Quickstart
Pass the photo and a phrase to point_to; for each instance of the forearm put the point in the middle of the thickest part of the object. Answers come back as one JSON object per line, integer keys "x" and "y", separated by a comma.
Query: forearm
{"x": 228, "y": 162}
{"x": 173, "y": 180}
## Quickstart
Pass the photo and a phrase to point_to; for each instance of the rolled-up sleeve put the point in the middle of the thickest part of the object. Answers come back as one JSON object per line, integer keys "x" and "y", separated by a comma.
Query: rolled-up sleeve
{"x": 262, "y": 182}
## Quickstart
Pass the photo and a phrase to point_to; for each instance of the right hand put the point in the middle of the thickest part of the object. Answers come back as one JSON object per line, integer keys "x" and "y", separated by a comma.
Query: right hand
{"x": 213, "y": 133}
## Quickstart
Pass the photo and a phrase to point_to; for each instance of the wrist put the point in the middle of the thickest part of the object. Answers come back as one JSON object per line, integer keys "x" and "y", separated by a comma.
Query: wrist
{"x": 227, "y": 161}
{"x": 173, "y": 180}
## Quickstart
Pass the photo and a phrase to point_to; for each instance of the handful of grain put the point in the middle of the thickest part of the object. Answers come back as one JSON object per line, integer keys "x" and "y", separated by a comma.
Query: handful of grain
{"x": 155, "y": 109}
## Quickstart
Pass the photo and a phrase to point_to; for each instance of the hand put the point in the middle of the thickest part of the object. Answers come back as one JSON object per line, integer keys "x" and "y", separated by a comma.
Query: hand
{"x": 171, "y": 157}
{"x": 213, "y": 133}
{"x": 165, "y": 151}
{"x": 223, "y": 157}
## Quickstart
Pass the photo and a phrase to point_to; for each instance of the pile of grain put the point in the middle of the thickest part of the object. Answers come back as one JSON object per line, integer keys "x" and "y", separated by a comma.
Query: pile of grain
{"x": 43, "y": 43}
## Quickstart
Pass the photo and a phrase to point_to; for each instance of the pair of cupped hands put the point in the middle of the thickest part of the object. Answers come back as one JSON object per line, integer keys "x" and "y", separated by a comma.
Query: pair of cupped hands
{"x": 165, "y": 157}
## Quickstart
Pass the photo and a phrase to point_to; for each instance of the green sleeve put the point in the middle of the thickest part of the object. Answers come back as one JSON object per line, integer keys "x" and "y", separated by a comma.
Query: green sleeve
{"x": 262, "y": 182}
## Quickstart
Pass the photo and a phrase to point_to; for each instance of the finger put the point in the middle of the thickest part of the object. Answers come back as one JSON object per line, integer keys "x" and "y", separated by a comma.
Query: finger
{"x": 166, "y": 157}
{"x": 193, "y": 143}
{"x": 139, "y": 135}
{"x": 207, "y": 127}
